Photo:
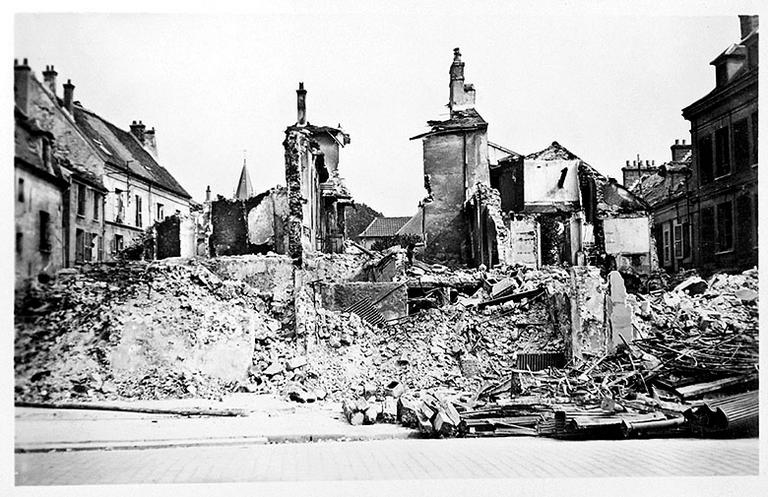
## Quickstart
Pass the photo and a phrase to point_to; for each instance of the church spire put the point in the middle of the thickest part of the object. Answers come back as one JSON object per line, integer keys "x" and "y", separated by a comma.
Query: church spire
{"x": 244, "y": 190}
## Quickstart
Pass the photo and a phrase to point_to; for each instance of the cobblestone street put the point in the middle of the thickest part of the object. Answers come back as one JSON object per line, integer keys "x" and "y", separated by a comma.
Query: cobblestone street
{"x": 394, "y": 459}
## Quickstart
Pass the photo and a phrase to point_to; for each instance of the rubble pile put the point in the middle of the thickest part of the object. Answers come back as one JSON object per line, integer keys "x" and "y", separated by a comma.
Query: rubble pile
{"x": 694, "y": 343}
{"x": 134, "y": 330}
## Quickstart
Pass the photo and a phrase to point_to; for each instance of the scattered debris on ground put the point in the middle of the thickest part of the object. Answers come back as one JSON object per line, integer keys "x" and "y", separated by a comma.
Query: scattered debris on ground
{"x": 480, "y": 353}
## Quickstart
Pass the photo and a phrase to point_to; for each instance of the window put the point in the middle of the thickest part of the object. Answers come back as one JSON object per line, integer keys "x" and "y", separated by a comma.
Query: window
{"x": 118, "y": 243}
{"x": 99, "y": 248}
{"x": 722, "y": 153}
{"x": 138, "y": 211}
{"x": 721, "y": 75}
{"x": 686, "y": 240}
{"x": 119, "y": 215}
{"x": 678, "y": 237}
{"x": 741, "y": 149}
{"x": 20, "y": 190}
{"x": 96, "y": 202}
{"x": 707, "y": 226}
{"x": 19, "y": 242}
{"x": 724, "y": 226}
{"x": 45, "y": 232}
{"x": 160, "y": 212}
{"x": 754, "y": 138}
{"x": 79, "y": 245}
{"x": 81, "y": 191}
{"x": 705, "y": 159}
{"x": 667, "y": 246}
{"x": 88, "y": 251}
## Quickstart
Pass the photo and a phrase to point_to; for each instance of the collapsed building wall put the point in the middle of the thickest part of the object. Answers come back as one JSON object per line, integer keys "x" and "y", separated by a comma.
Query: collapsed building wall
{"x": 256, "y": 225}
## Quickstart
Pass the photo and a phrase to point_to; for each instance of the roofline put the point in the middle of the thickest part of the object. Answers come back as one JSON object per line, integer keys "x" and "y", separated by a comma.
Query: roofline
{"x": 451, "y": 130}
{"x": 148, "y": 181}
{"x": 60, "y": 182}
{"x": 124, "y": 167}
{"x": 711, "y": 98}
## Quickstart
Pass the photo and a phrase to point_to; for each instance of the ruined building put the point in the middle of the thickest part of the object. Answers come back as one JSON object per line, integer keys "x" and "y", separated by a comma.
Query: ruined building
{"x": 317, "y": 195}
{"x": 455, "y": 160}
{"x": 487, "y": 204}
{"x": 305, "y": 216}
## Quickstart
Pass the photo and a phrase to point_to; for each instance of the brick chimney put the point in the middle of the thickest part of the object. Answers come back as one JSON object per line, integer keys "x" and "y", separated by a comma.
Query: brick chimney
{"x": 22, "y": 75}
{"x": 679, "y": 150}
{"x": 137, "y": 130}
{"x": 748, "y": 24}
{"x": 462, "y": 96}
{"x": 150, "y": 142}
{"x": 69, "y": 91}
{"x": 49, "y": 78}
{"x": 301, "y": 105}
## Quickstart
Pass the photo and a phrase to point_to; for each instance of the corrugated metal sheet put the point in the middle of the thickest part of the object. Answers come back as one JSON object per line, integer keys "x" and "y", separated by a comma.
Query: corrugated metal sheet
{"x": 367, "y": 311}
{"x": 536, "y": 361}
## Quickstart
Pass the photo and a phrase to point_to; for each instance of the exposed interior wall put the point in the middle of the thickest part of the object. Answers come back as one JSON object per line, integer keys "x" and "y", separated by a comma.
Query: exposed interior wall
{"x": 524, "y": 241}
{"x": 589, "y": 334}
{"x": 543, "y": 182}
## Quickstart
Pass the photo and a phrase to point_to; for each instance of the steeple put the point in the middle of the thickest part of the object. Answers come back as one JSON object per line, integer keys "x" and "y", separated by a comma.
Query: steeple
{"x": 244, "y": 190}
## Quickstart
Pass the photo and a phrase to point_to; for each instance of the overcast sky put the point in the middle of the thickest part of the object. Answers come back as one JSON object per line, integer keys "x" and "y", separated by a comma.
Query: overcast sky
{"x": 607, "y": 88}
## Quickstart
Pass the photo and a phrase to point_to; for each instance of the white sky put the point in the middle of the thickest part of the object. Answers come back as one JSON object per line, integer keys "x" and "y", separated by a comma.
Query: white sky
{"x": 607, "y": 88}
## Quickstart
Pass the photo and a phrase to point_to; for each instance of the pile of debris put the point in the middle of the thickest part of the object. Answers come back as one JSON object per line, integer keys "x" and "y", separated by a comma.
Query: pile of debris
{"x": 135, "y": 330}
{"x": 691, "y": 370}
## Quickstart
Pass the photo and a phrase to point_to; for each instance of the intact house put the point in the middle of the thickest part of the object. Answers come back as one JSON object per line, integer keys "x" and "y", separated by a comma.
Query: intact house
{"x": 488, "y": 205}
{"x": 704, "y": 200}
{"x": 382, "y": 230}
{"x": 76, "y": 220}
{"x": 140, "y": 191}
{"x": 721, "y": 199}
{"x": 116, "y": 187}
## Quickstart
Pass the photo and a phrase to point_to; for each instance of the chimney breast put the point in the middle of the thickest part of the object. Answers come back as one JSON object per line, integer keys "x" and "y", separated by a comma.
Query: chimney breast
{"x": 49, "y": 77}
{"x": 137, "y": 130}
{"x": 301, "y": 105}
{"x": 69, "y": 91}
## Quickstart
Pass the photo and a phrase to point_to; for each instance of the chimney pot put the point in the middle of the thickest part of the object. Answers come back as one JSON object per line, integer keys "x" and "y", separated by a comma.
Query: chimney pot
{"x": 49, "y": 77}
{"x": 683, "y": 141}
{"x": 25, "y": 61}
{"x": 627, "y": 163}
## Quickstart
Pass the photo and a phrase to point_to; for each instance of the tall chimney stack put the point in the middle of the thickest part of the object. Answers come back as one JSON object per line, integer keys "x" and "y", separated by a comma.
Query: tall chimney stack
{"x": 137, "y": 130}
{"x": 69, "y": 90}
{"x": 21, "y": 77}
{"x": 456, "y": 85}
{"x": 301, "y": 105}
{"x": 49, "y": 77}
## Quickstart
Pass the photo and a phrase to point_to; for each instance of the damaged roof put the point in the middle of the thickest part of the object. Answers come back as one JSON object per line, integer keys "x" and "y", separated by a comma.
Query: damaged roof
{"x": 122, "y": 150}
{"x": 553, "y": 152}
{"x": 384, "y": 227}
{"x": 460, "y": 120}
{"x": 666, "y": 184}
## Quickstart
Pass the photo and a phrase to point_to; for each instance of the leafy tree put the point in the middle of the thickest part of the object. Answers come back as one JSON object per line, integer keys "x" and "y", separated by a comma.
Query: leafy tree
{"x": 358, "y": 218}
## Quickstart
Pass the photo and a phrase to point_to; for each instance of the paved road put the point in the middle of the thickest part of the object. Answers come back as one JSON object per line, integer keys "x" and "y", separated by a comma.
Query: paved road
{"x": 393, "y": 459}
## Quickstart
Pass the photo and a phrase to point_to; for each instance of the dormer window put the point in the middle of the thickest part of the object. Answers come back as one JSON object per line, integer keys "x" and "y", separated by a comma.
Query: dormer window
{"x": 721, "y": 74}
